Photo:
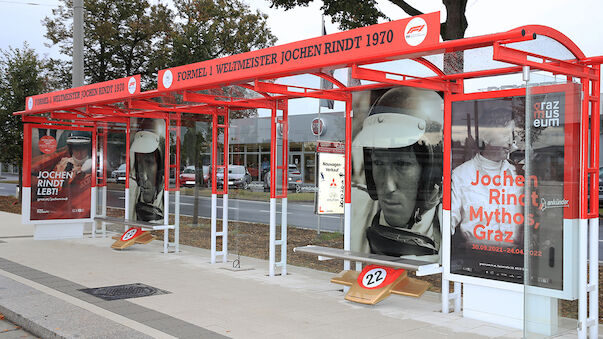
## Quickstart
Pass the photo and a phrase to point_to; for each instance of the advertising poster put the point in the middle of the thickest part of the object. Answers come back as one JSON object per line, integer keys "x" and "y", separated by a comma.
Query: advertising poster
{"x": 397, "y": 173}
{"x": 147, "y": 146}
{"x": 61, "y": 174}
{"x": 331, "y": 183}
{"x": 488, "y": 192}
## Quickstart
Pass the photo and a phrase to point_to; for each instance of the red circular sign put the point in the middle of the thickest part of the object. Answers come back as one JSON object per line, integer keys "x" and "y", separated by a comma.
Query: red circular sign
{"x": 47, "y": 144}
{"x": 318, "y": 126}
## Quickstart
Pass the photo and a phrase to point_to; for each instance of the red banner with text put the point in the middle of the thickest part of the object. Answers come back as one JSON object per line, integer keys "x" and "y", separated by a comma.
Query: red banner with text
{"x": 395, "y": 38}
{"x": 109, "y": 90}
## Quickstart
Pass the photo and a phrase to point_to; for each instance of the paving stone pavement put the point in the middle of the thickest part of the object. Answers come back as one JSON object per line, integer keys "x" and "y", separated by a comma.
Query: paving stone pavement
{"x": 40, "y": 283}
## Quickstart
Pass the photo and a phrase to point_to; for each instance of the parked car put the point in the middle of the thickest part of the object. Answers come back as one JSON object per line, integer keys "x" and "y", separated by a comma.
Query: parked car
{"x": 187, "y": 176}
{"x": 294, "y": 179}
{"x": 119, "y": 174}
{"x": 238, "y": 176}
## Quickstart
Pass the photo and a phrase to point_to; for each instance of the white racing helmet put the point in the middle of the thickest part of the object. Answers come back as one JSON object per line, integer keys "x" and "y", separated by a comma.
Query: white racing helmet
{"x": 80, "y": 140}
{"x": 401, "y": 117}
{"x": 406, "y": 117}
{"x": 146, "y": 142}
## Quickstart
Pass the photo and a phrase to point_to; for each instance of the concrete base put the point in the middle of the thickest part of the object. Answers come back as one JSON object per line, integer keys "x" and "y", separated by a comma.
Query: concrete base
{"x": 504, "y": 307}
{"x": 59, "y": 231}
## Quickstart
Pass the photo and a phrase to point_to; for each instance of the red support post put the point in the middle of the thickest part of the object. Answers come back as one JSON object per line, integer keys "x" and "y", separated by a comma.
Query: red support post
{"x": 273, "y": 157}
{"x": 127, "y": 154}
{"x": 166, "y": 156}
{"x": 214, "y": 151}
{"x": 285, "y": 150}
{"x": 348, "y": 149}
{"x": 225, "y": 147}
{"x": 178, "y": 143}
{"x": 584, "y": 143}
{"x": 105, "y": 160}
{"x": 27, "y": 155}
{"x": 94, "y": 162}
{"x": 447, "y": 150}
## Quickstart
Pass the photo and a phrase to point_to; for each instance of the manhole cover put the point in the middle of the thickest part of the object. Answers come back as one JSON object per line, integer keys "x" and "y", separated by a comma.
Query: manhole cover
{"x": 124, "y": 291}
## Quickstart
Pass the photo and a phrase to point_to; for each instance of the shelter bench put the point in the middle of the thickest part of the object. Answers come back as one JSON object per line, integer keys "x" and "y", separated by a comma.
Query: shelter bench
{"x": 135, "y": 223}
{"x": 421, "y": 268}
{"x": 360, "y": 290}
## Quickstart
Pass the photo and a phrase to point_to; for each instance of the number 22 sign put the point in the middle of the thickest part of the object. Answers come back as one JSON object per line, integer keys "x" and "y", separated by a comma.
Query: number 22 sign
{"x": 373, "y": 276}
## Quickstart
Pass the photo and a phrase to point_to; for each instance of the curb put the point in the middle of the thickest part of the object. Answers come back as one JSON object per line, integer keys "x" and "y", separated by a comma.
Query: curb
{"x": 28, "y": 325}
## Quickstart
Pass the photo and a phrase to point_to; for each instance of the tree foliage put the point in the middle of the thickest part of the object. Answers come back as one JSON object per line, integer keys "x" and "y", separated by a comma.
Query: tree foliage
{"x": 209, "y": 29}
{"x": 119, "y": 36}
{"x": 353, "y": 14}
{"x": 127, "y": 37}
{"x": 23, "y": 74}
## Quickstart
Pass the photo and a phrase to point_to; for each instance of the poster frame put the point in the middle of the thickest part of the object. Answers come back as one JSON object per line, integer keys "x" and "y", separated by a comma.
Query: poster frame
{"x": 319, "y": 155}
{"x": 26, "y": 201}
{"x": 569, "y": 290}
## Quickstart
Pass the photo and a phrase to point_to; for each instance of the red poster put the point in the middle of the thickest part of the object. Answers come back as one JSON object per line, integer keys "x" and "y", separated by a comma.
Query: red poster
{"x": 61, "y": 174}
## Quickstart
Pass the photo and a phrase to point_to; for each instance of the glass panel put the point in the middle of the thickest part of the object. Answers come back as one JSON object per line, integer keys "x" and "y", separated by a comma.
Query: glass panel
{"x": 309, "y": 168}
{"x": 551, "y": 139}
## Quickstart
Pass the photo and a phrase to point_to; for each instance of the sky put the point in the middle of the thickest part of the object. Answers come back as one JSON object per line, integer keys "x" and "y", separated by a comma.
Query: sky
{"x": 20, "y": 20}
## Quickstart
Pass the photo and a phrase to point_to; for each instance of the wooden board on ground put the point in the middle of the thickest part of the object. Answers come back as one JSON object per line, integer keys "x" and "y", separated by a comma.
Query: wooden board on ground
{"x": 376, "y": 283}
{"x": 132, "y": 236}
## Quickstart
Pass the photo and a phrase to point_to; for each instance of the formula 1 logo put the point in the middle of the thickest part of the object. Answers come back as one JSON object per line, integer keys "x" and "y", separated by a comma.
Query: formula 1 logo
{"x": 168, "y": 78}
{"x": 415, "y": 29}
{"x": 415, "y": 32}
{"x": 132, "y": 85}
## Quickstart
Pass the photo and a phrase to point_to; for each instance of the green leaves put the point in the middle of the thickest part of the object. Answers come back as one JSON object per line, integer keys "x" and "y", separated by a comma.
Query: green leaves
{"x": 123, "y": 38}
{"x": 23, "y": 74}
{"x": 210, "y": 29}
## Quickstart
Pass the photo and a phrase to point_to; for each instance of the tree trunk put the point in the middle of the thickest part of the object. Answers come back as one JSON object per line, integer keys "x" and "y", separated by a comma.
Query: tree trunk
{"x": 454, "y": 28}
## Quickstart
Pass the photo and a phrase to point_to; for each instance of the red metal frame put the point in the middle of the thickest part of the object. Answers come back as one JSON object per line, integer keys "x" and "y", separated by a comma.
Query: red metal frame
{"x": 217, "y": 113}
{"x": 157, "y": 103}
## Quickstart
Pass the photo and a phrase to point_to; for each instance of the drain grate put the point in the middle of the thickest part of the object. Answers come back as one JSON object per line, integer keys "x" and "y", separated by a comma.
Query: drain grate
{"x": 124, "y": 291}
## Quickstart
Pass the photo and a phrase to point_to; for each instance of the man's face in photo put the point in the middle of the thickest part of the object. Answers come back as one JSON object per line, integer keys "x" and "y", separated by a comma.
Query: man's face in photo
{"x": 500, "y": 142}
{"x": 146, "y": 172}
{"x": 80, "y": 152}
{"x": 396, "y": 174}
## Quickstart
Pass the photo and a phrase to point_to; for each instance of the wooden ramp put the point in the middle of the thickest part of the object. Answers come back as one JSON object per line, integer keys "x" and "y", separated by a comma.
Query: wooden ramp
{"x": 134, "y": 235}
{"x": 376, "y": 283}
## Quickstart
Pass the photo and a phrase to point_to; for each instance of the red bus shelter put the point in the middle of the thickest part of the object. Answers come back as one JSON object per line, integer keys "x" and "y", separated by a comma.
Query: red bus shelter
{"x": 111, "y": 106}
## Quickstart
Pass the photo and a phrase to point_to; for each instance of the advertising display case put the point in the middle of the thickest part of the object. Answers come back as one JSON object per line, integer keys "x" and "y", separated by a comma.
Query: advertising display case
{"x": 488, "y": 187}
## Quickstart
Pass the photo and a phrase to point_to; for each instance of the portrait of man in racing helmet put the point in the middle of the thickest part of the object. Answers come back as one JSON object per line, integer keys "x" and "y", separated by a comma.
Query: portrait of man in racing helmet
{"x": 401, "y": 140}
{"x": 497, "y": 141}
{"x": 146, "y": 160}
{"x": 79, "y": 161}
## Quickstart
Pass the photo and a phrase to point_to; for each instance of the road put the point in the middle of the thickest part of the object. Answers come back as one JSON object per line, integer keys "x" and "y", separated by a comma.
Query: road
{"x": 299, "y": 214}
{"x": 8, "y": 189}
